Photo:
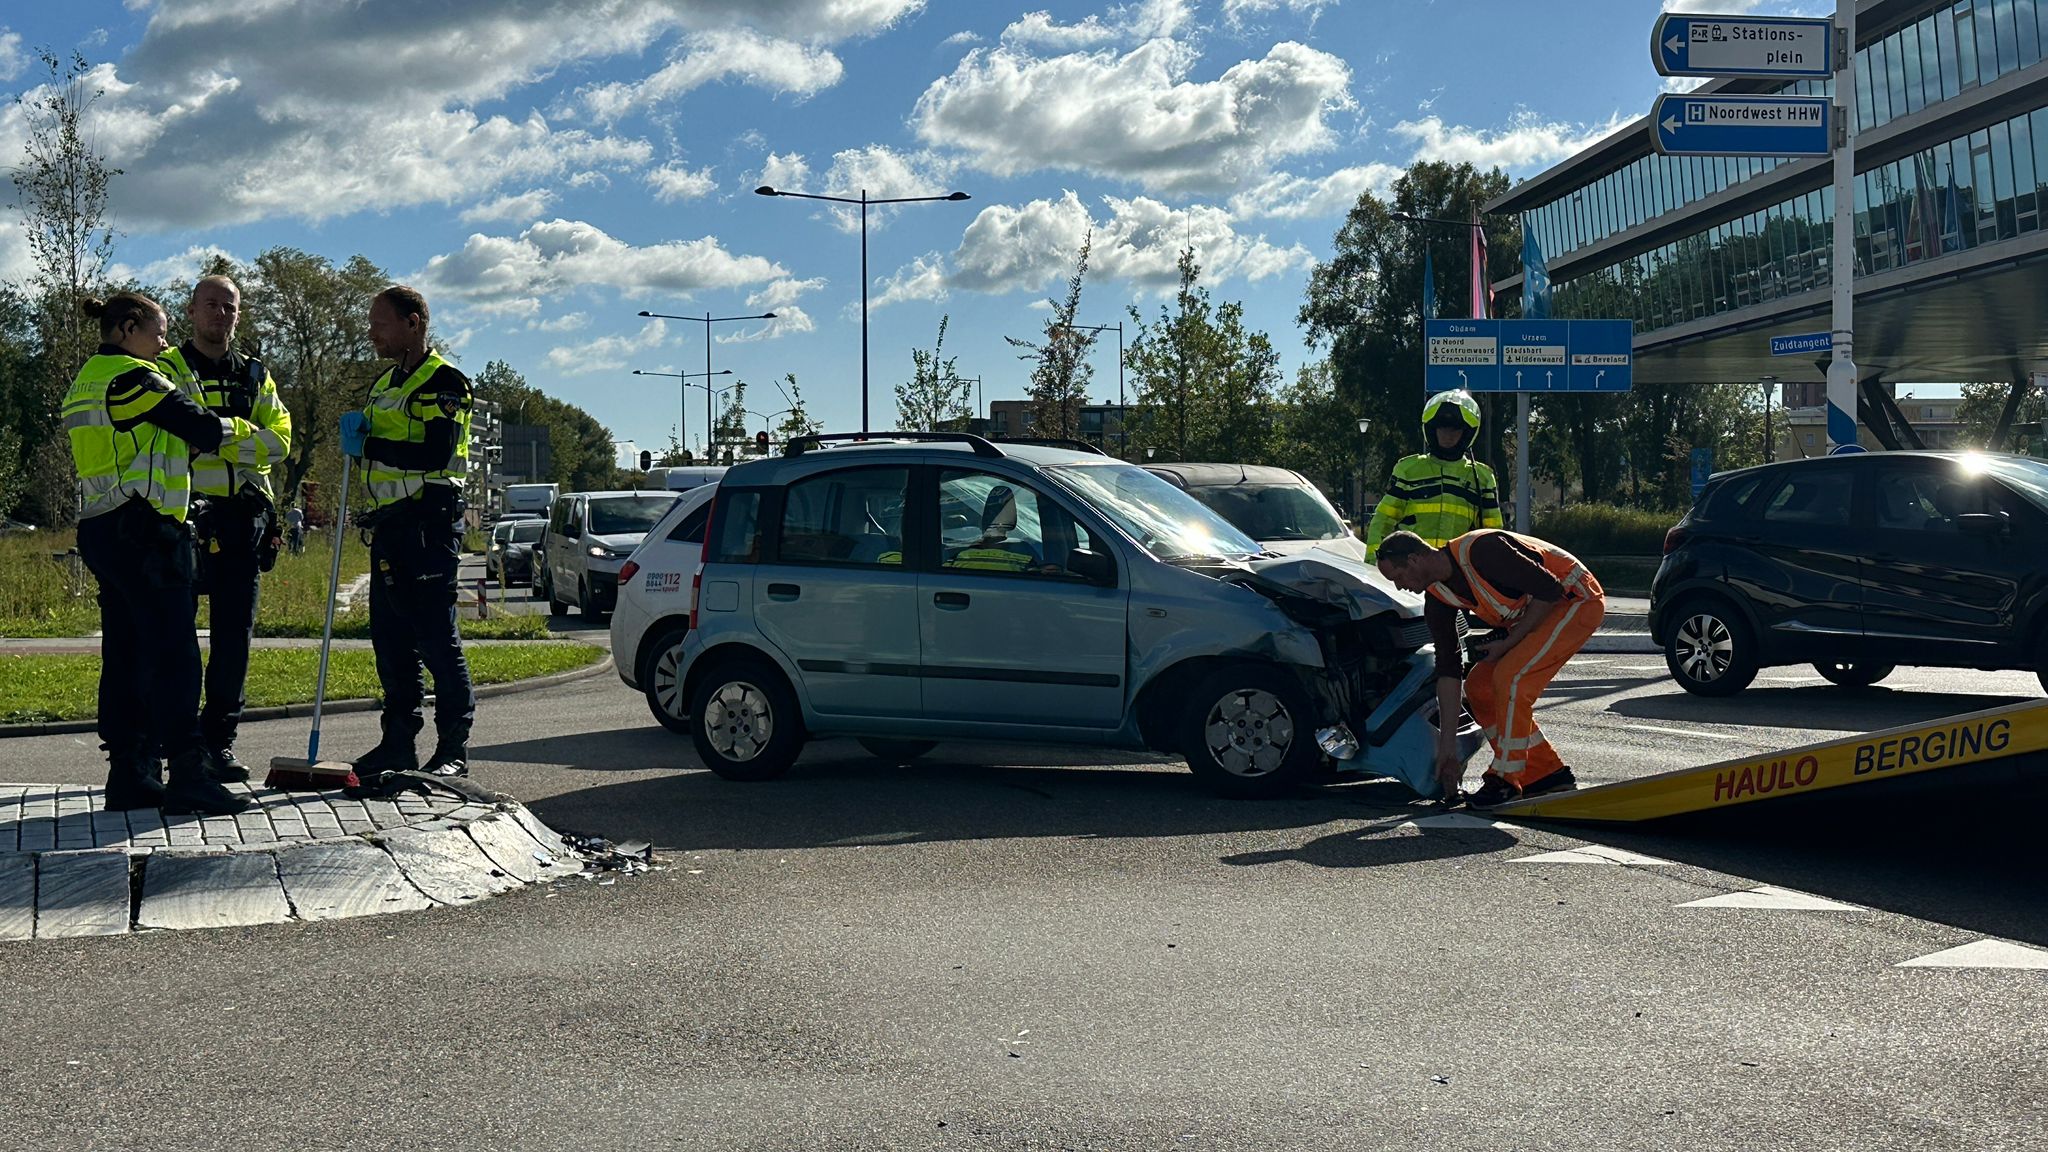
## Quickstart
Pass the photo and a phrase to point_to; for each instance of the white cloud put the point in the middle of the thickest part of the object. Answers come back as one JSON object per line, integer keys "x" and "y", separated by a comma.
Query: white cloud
{"x": 569, "y": 322}
{"x": 1683, "y": 83}
{"x": 181, "y": 267}
{"x": 559, "y": 256}
{"x": 510, "y": 209}
{"x": 16, "y": 266}
{"x": 1526, "y": 142}
{"x": 1287, "y": 197}
{"x": 12, "y": 60}
{"x": 672, "y": 183}
{"x": 959, "y": 38}
{"x": 1010, "y": 249}
{"x": 345, "y": 107}
{"x": 1039, "y": 30}
{"x": 764, "y": 61}
{"x": 882, "y": 172}
{"x": 779, "y": 297}
{"x": 789, "y": 172}
{"x": 607, "y": 353}
{"x": 1136, "y": 116}
{"x": 1236, "y": 11}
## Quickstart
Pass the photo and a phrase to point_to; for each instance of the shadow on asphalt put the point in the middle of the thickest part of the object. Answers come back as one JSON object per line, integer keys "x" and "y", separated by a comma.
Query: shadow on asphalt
{"x": 840, "y": 798}
{"x": 1869, "y": 709}
{"x": 1960, "y": 847}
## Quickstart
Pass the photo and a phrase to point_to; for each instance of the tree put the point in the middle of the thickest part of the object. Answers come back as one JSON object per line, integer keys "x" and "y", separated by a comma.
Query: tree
{"x": 935, "y": 397}
{"x": 729, "y": 427}
{"x": 581, "y": 453}
{"x": 1061, "y": 373}
{"x": 1205, "y": 384}
{"x": 1983, "y": 404}
{"x": 61, "y": 192}
{"x": 797, "y": 420}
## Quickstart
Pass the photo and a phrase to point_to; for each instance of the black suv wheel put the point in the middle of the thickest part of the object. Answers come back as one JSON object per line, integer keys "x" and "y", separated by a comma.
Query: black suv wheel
{"x": 1710, "y": 650}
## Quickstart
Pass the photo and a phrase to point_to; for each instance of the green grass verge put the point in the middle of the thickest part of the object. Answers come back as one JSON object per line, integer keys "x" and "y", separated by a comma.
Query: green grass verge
{"x": 41, "y": 687}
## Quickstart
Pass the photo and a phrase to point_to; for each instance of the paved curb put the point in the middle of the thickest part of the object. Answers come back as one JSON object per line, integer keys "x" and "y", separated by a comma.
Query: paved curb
{"x": 293, "y": 856}
{"x": 332, "y": 707}
{"x": 1622, "y": 643}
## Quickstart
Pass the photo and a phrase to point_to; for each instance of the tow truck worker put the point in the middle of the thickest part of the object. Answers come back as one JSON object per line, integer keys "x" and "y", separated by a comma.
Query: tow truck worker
{"x": 1548, "y": 602}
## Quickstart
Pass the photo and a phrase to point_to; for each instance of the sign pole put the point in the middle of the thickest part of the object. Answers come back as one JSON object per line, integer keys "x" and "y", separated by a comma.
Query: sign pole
{"x": 1842, "y": 261}
{"x": 1522, "y": 521}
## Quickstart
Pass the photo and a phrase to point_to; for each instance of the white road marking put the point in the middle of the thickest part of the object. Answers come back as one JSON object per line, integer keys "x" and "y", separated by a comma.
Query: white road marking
{"x": 1679, "y": 732}
{"x": 1770, "y": 896}
{"x": 1589, "y": 854}
{"x": 1458, "y": 820}
{"x": 1982, "y": 954}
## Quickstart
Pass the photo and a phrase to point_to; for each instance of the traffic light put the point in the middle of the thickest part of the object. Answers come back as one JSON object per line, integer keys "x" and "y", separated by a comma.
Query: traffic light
{"x": 761, "y": 442}
{"x": 646, "y": 459}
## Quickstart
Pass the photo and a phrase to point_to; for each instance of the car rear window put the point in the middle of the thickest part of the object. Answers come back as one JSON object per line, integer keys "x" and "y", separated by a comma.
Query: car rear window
{"x": 526, "y": 531}
{"x": 620, "y": 515}
{"x": 736, "y": 528}
{"x": 1272, "y": 511}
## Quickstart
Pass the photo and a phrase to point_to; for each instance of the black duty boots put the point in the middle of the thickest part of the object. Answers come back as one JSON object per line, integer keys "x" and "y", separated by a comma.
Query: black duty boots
{"x": 451, "y": 754}
{"x": 227, "y": 768}
{"x": 134, "y": 780}
{"x": 393, "y": 753}
{"x": 194, "y": 788}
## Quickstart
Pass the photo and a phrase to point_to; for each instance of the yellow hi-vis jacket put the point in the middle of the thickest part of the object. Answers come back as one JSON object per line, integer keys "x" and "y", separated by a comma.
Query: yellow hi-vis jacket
{"x": 252, "y": 397}
{"x": 1438, "y": 500}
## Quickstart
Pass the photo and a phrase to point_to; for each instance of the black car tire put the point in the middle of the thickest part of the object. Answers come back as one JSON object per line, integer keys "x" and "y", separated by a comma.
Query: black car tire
{"x": 1711, "y": 650}
{"x": 744, "y": 720}
{"x": 586, "y": 603}
{"x": 540, "y": 589}
{"x": 895, "y": 751}
{"x": 1861, "y": 674}
{"x": 659, "y": 665}
{"x": 1250, "y": 733}
{"x": 556, "y": 605}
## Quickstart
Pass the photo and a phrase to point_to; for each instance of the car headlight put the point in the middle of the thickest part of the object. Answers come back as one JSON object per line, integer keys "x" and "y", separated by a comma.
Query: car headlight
{"x": 602, "y": 553}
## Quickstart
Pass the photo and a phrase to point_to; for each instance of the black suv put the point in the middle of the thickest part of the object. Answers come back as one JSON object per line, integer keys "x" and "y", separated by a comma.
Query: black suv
{"x": 1856, "y": 564}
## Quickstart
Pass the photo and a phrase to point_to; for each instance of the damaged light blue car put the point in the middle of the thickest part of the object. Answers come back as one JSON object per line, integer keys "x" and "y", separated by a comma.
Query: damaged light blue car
{"x": 906, "y": 589}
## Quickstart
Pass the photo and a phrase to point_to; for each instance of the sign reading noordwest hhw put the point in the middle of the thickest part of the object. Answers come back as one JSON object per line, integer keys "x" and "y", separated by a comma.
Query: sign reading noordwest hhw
{"x": 1696, "y": 45}
{"x": 1695, "y": 125}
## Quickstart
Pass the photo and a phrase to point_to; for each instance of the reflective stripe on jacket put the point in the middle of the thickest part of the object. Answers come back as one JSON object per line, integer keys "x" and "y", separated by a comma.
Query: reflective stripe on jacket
{"x": 118, "y": 454}
{"x": 1438, "y": 500}
{"x": 399, "y": 411}
{"x": 1496, "y": 607}
{"x": 247, "y": 461}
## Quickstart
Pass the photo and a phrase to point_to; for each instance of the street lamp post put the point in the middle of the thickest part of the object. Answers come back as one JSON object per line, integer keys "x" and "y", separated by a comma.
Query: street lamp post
{"x": 707, "y": 320}
{"x": 864, "y": 201}
{"x": 683, "y": 406}
{"x": 1122, "y": 423}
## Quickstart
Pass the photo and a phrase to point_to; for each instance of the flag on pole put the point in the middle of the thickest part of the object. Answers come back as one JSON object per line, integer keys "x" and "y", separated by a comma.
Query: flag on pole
{"x": 1482, "y": 292}
{"x": 1535, "y": 278}
{"x": 1428, "y": 286}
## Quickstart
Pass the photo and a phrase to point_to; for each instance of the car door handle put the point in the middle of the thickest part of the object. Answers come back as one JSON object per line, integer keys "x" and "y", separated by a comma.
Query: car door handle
{"x": 950, "y": 599}
{"x": 784, "y": 591}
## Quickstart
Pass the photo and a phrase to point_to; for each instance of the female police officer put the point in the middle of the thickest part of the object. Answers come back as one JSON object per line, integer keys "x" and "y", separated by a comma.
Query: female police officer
{"x": 132, "y": 435}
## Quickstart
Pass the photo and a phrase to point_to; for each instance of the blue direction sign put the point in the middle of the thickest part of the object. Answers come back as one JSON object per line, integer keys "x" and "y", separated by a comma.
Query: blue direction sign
{"x": 1682, "y": 45}
{"x": 1529, "y": 355}
{"x": 1807, "y": 344}
{"x": 1462, "y": 354}
{"x": 1697, "y": 125}
{"x": 1702, "y": 470}
{"x": 1602, "y": 356}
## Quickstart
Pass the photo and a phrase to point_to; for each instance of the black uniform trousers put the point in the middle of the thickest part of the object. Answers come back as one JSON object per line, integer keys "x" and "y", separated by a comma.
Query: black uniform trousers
{"x": 149, "y": 649}
{"x": 414, "y": 549}
{"x": 234, "y": 526}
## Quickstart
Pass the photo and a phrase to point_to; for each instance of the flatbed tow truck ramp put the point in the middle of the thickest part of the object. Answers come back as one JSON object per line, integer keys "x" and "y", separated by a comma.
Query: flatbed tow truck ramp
{"x": 1996, "y": 757}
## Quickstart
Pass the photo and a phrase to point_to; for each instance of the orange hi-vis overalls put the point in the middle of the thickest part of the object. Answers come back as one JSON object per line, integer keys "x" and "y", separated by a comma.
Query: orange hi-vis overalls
{"x": 1502, "y": 693}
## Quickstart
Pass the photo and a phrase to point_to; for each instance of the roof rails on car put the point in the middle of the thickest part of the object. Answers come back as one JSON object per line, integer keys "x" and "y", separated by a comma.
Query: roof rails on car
{"x": 1052, "y": 442}
{"x": 798, "y": 445}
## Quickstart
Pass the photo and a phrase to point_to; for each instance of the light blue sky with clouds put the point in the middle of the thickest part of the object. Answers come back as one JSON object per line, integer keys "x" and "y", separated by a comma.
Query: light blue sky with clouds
{"x": 546, "y": 169}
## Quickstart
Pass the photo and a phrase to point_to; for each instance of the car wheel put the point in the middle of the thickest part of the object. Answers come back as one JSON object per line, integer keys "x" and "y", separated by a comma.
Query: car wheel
{"x": 1710, "y": 651}
{"x": 540, "y": 589}
{"x": 658, "y": 680}
{"x": 1251, "y": 732}
{"x": 744, "y": 721}
{"x": 1854, "y": 675}
{"x": 896, "y": 751}
{"x": 556, "y": 605}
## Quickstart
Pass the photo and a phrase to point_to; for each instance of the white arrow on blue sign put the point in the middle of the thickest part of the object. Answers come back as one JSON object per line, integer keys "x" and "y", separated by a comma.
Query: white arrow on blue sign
{"x": 1529, "y": 355}
{"x": 1694, "y": 45}
{"x": 1742, "y": 125}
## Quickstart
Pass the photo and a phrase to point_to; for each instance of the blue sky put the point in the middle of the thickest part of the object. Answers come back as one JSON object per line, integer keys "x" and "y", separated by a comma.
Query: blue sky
{"x": 546, "y": 169}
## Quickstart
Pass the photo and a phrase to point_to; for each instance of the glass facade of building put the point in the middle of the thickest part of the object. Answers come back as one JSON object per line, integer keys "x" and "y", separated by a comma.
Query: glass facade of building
{"x": 1950, "y": 51}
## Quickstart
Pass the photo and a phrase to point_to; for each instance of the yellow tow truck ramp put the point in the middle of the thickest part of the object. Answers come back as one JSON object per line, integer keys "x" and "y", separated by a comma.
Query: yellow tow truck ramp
{"x": 1998, "y": 734}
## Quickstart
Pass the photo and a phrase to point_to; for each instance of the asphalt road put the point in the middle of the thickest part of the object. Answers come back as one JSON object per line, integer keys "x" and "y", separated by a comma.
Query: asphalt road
{"x": 1023, "y": 948}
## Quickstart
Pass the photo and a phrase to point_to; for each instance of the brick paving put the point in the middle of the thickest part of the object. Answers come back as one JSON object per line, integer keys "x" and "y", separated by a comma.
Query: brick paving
{"x": 43, "y": 817}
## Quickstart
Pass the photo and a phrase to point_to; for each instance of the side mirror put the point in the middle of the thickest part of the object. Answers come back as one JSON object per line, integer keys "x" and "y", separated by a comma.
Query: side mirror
{"x": 1094, "y": 567}
{"x": 1984, "y": 523}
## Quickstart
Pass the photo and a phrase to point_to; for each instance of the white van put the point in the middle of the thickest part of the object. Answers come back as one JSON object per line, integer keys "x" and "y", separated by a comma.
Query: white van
{"x": 684, "y": 477}
{"x": 532, "y": 498}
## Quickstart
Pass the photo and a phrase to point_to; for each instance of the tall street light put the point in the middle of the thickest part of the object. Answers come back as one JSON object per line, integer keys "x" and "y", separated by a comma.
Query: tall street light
{"x": 683, "y": 407}
{"x": 707, "y": 320}
{"x": 864, "y": 201}
{"x": 1123, "y": 434}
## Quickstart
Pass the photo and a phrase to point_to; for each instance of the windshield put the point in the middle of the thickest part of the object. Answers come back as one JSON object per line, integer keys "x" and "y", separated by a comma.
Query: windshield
{"x": 1273, "y": 511}
{"x": 527, "y": 532}
{"x": 1166, "y": 521}
{"x": 626, "y": 514}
